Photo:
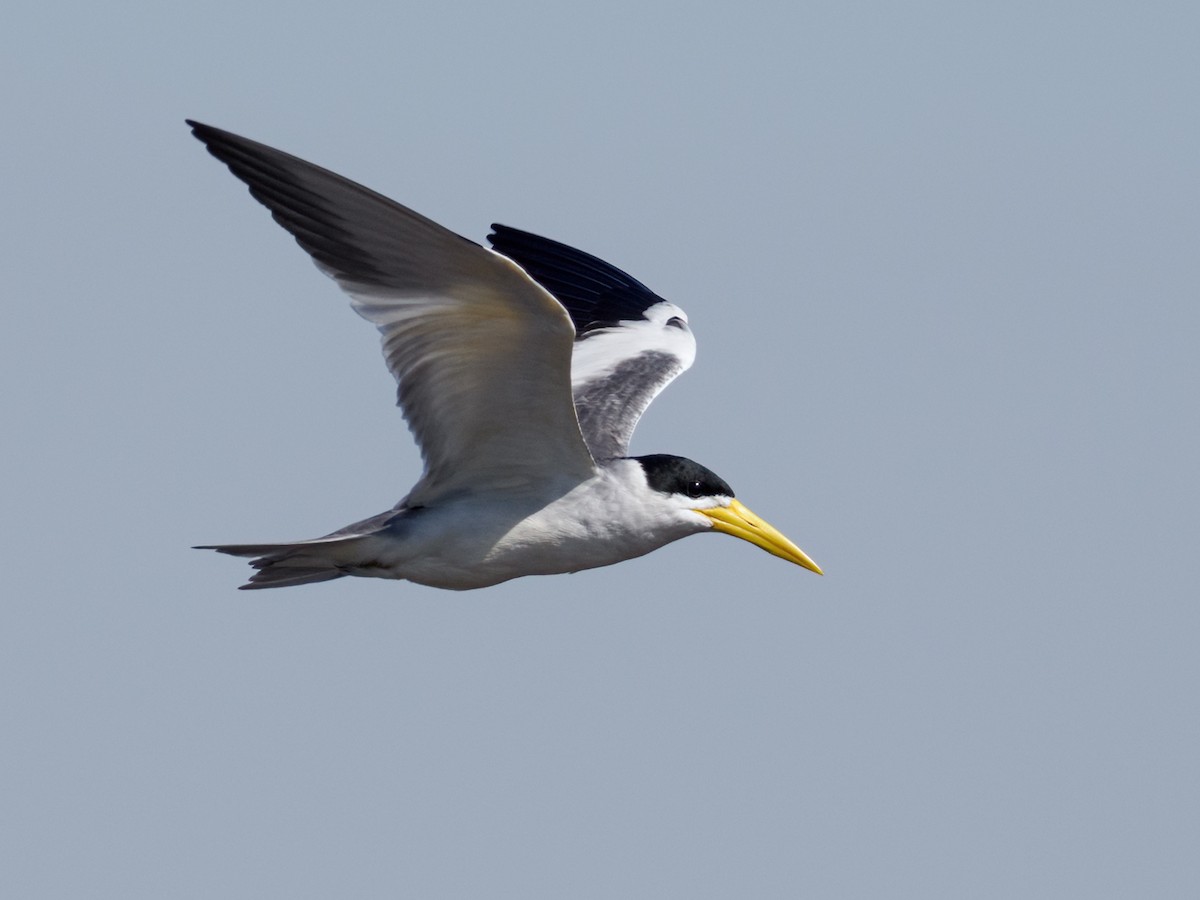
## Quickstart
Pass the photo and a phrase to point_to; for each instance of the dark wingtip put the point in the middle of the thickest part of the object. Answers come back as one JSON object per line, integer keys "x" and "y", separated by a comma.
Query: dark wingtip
{"x": 199, "y": 128}
{"x": 212, "y": 136}
{"x": 209, "y": 136}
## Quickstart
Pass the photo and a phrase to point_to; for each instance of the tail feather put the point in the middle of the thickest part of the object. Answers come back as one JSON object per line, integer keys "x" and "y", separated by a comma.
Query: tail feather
{"x": 271, "y": 577}
{"x": 345, "y": 552}
{"x": 284, "y": 565}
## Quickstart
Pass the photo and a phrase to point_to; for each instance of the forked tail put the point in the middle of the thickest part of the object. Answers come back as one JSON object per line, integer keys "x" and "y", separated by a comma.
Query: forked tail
{"x": 282, "y": 565}
{"x": 344, "y": 552}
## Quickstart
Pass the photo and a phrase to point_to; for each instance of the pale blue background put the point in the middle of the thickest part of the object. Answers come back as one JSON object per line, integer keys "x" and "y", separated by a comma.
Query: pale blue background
{"x": 942, "y": 262}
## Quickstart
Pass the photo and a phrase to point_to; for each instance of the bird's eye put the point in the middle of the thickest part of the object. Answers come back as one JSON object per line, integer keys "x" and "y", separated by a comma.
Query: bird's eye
{"x": 676, "y": 322}
{"x": 695, "y": 489}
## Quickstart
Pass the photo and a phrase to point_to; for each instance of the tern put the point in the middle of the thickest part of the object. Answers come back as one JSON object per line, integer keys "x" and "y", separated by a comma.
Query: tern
{"x": 521, "y": 370}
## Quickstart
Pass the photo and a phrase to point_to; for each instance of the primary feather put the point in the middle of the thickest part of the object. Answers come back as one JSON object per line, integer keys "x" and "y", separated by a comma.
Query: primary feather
{"x": 480, "y": 352}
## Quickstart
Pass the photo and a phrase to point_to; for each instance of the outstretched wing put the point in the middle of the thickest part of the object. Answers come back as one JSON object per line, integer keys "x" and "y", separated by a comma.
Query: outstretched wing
{"x": 480, "y": 352}
{"x": 630, "y": 343}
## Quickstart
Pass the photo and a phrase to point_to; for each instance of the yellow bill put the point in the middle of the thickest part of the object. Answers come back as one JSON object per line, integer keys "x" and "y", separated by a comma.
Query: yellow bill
{"x": 735, "y": 519}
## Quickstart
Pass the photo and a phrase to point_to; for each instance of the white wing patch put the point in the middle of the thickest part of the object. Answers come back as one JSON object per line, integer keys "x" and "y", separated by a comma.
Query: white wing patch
{"x": 616, "y": 372}
{"x": 630, "y": 343}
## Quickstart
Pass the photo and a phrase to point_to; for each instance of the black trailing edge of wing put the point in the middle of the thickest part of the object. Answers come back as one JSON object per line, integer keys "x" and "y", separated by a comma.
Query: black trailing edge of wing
{"x": 596, "y": 294}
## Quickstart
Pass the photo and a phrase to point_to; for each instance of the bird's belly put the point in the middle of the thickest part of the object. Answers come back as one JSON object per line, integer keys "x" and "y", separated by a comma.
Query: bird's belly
{"x": 461, "y": 549}
{"x": 462, "y": 565}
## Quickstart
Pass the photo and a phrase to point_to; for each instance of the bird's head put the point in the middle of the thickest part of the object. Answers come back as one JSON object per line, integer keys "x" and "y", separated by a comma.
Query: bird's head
{"x": 702, "y": 494}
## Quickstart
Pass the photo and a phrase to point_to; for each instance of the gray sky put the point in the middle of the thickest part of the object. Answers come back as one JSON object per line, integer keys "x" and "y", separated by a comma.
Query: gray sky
{"x": 941, "y": 261}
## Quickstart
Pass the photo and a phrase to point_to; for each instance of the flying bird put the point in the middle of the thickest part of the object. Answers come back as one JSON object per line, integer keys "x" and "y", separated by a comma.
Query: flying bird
{"x": 522, "y": 371}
